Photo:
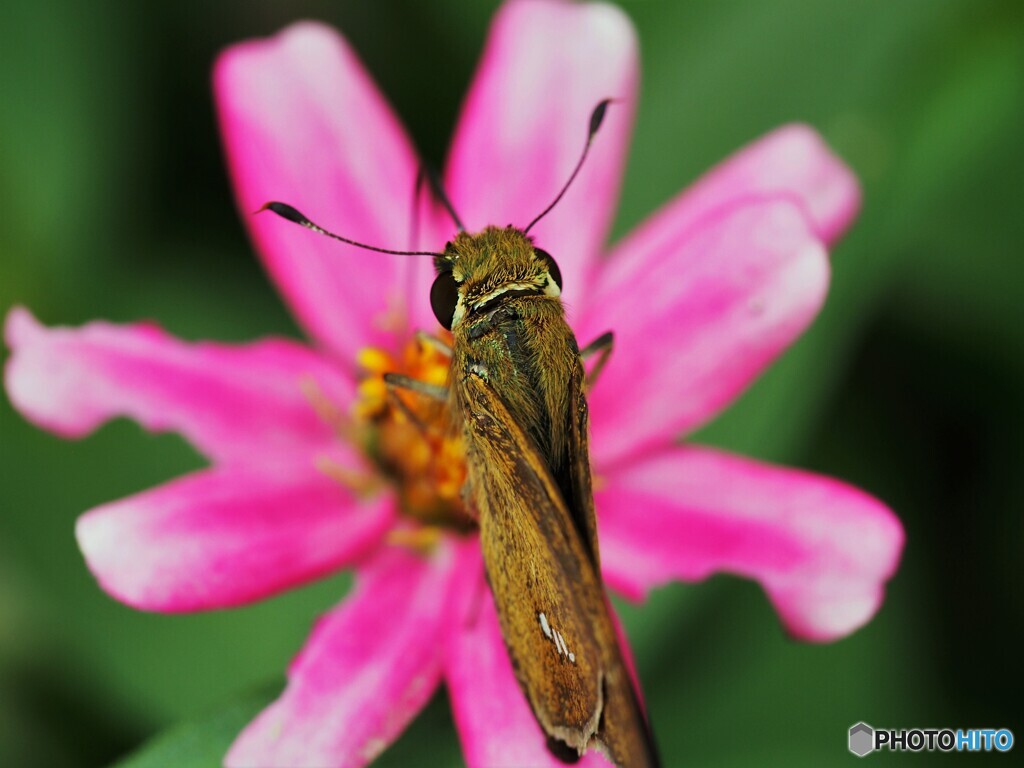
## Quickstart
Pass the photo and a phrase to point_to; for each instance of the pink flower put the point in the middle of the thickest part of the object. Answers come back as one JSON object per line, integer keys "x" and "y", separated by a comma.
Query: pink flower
{"x": 702, "y": 297}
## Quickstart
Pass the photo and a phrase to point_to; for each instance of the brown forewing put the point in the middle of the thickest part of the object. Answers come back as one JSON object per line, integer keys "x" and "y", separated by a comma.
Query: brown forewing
{"x": 580, "y": 498}
{"x": 538, "y": 563}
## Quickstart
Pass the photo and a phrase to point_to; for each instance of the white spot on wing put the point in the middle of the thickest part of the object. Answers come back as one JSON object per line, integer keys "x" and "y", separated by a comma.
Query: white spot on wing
{"x": 545, "y": 627}
{"x": 561, "y": 647}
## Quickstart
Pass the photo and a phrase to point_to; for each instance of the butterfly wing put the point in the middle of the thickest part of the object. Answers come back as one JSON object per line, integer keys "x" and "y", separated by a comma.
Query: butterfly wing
{"x": 549, "y": 597}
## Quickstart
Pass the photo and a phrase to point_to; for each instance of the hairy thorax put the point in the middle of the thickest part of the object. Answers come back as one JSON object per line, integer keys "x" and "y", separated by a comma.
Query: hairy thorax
{"x": 524, "y": 349}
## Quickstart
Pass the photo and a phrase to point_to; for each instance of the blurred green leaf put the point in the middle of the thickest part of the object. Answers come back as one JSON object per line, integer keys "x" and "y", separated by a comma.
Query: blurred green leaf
{"x": 203, "y": 743}
{"x": 198, "y": 744}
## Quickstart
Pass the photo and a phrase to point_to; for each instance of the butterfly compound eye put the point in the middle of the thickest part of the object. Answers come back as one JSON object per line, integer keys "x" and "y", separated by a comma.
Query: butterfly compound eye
{"x": 444, "y": 295}
{"x": 553, "y": 270}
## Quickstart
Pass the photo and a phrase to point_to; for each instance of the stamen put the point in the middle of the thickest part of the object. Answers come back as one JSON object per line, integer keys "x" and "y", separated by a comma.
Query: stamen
{"x": 408, "y": 436}
{"x": 374, "y": 360}
{"x": 373, "y": 398}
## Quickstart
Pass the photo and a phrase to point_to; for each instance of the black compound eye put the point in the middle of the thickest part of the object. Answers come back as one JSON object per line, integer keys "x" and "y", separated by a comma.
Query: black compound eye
{"x": 553, "y": 270}
{"x": 444, "y": 295}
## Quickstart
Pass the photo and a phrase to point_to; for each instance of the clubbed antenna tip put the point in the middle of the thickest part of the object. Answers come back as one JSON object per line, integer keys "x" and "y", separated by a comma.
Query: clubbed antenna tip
{"x": 293, "y": 214}
{"x": 285, "y": 211}
{"x": 596, "y": 118}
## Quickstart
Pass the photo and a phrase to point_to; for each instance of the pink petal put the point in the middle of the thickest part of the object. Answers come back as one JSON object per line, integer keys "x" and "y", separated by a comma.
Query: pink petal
{"x": 495, "y": 724}
{"x": 545, "y": 67}
{"x": 225, "y": 537}
{"x": 696, "y": 321}
{"x": 792, "y": 160}
{"x": 627, "y": 655}
{"x": 821, "y": 549}
{"x": 369, "y": 666}
{"x": 242, "y": 404}
{"x": 303, "y": 123}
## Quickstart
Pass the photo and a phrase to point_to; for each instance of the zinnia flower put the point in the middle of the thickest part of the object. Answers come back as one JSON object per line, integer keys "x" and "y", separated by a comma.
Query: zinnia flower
{"x": 313, "y": 469}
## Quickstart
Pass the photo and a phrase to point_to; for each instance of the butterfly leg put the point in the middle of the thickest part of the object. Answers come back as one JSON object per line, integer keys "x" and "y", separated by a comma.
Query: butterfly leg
{"x": 437, "y": 344}
{"x": 396, "y": 381}
{"x": 432, "y": 391}
{"x": 602, "y": 347}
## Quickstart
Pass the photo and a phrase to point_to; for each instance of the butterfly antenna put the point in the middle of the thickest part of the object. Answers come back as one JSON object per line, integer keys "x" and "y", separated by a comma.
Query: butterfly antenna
{"x": 596, "y": 118}
{"x": 286, "y": 211}
{"x": 428, "y": 173}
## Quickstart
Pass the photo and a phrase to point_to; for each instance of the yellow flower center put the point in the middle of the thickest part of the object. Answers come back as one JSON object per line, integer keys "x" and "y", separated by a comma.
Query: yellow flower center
{"x": 409, "y": 436}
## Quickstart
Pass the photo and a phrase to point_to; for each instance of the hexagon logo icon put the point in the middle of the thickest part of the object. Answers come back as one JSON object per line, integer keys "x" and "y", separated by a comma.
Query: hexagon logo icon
{"x": 862, "y": 739}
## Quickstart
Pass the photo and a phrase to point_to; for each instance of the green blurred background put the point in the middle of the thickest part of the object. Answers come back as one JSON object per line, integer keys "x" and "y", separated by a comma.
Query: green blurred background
{"x": 114, "y": 203}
